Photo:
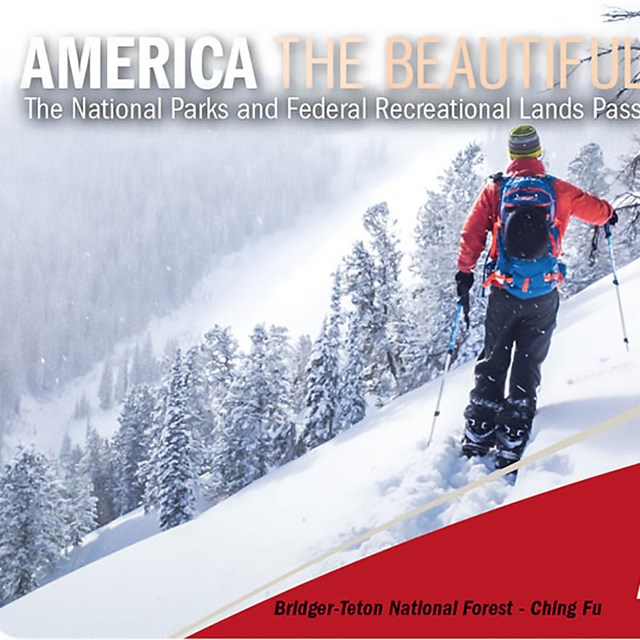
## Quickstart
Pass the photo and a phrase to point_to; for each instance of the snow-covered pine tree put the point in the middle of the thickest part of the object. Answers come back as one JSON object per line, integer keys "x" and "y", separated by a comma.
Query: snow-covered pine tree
{"x": 98, "y": 459}
{"x": 105, "y": 389}
{"x": 353, "y": 403}
{"x": 630, "y": 176}
{"x": 360, "y": 284}
{"x": 144, "y": 369}
{"x": 121, "y": 388}
{"x": 197, "y": 407}
{"x": 32, "y": 526}
{"x": 587, "y": 171}
{"x": 219, "y": 354}
{"x": 437, "y": 236}
{"x": 134, "y": 373}
{"x": 82, "y": 410}
{"x": 130, "y": 447}
{"x": 257, "y": 432}
{"x": 220, "y": 351}
{"x": 625, "y": 235}
{"x": 299, "y": 362}
{"x": 148, "y": 468}
{"x": 389, "y": 320}
{"x": 79, "y": 502}
{"x": 149, "y": 365}
{"x": 321, "y": 423}
{"x": 373, "y": 282}
{"x": 279, "y": 430}
{"x": 136, "y": 376}
{"x": 66, "y": 450}
{"x": 234, "y": 451}
{"x": 323, "y": 379}
{"x": 177, "y": 473}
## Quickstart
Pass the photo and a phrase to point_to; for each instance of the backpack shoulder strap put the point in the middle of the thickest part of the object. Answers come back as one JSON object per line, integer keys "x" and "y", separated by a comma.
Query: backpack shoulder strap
{"x": 499, "y": 179}
{"x": 549, "y": 180}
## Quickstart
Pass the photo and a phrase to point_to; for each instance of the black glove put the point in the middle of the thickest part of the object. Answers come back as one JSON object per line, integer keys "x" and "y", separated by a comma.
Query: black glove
{"x": 464, "y": 284}
{"x": 609, "y": 223}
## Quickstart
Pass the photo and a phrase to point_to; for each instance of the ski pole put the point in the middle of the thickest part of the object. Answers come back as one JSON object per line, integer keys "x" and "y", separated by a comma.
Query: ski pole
{"x": 616, "y": 282}
{"x": 594, "y": 245}
{"x": 447, "y": 364}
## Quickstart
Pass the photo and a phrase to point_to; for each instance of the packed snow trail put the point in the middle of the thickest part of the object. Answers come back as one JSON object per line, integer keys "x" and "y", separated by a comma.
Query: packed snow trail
{"x": 367, "y": 476}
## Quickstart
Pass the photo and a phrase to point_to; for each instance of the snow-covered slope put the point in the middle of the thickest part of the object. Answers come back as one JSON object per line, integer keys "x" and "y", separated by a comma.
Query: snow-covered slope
{"x": 283, "y": 278}
{"x": 367, "y": 476}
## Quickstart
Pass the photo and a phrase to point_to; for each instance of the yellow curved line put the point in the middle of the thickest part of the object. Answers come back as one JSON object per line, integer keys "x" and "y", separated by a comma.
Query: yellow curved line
{"x": 601, "y": 427}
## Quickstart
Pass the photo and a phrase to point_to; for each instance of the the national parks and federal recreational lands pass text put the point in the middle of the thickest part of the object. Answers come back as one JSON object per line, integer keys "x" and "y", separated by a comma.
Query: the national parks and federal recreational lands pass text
{"x": 323, "y": 109}
{"x": 542, "y": 608}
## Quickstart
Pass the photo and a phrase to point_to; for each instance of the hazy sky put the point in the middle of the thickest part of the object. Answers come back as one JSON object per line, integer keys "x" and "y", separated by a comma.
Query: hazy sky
{"x": 266, "y": 19}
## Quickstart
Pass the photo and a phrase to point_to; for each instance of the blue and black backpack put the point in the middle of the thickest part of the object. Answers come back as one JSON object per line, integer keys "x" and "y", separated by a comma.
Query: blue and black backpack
{"x": 525, "y": 251}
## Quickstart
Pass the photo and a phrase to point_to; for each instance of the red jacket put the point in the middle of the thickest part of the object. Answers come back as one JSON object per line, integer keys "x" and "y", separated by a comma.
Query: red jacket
{"x": 570, "y": 201}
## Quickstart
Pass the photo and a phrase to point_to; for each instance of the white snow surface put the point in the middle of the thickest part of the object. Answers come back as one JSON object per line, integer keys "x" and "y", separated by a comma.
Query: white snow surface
{"x": 371, "y": 474}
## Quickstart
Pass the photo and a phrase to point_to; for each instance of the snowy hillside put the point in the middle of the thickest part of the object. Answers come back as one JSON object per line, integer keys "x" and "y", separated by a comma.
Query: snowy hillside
{"x": 370, "y": 475}
{"x": 259, "y": 283}
{"x": 284, "y": 278}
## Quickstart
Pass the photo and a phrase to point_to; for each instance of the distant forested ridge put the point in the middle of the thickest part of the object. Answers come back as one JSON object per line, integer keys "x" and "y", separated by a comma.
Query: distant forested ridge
{"x": 103, "y": 227}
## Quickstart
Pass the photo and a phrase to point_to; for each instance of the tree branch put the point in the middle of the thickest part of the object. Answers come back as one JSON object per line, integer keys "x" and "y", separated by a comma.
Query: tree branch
{"x": 617, "y": 14}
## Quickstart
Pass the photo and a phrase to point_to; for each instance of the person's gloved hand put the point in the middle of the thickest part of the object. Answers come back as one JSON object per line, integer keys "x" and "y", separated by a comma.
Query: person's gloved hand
{"x": 609, "y": 223}
{"x": 464, "y": 283}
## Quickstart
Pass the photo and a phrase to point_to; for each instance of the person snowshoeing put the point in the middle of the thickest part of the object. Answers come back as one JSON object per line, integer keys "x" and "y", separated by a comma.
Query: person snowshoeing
{"x": 527, "y": 212}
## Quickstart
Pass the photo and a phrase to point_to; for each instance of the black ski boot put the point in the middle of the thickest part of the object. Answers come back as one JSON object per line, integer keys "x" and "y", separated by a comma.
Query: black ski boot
{"x": 513, "y": 430}
{"x": 479, "y": 437}
{"x": 480, "y": 427}
{"x": 510, "y": 443}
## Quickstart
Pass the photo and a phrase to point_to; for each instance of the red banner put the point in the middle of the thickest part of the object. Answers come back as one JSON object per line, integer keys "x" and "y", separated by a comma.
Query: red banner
{"x": 562, "y": 564}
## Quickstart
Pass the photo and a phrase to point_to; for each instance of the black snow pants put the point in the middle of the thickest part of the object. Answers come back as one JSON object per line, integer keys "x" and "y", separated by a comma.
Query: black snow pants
{"x": 517, "y": 335}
